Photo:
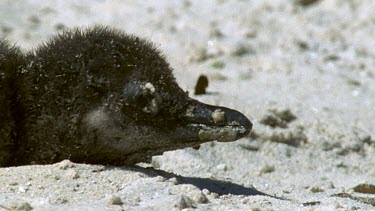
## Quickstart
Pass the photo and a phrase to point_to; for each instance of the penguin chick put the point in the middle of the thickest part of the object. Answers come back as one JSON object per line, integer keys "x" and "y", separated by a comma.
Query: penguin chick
{"x": 11, "y": 115}
{"x": 101, "y": 96}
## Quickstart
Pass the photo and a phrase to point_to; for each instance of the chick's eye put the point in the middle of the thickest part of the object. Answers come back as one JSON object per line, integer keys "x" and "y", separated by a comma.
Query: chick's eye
{"x": 142, "y": 97}
{"x": 152, "y": 107}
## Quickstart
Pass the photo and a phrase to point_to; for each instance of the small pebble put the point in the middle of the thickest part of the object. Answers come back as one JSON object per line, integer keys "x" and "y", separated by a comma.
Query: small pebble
{"x": 198, "y": 197}
{"x": 316, "y": 189}
{"x": 273, "y": 121}
{"x": 215, "y": 195}
{"x": 218, "y": 64}
{"x": 199, "y": 55}
{"x": 34, "y": 19}
{"x": 294, "y": 137}
{"x": 306, "y": 2}
{"x": 284, "y": 114}
{"x": 251, "y": 146}
{"x": 267, "y": 169}
{"x": 250, "y": 33}
{"x": 60, "y": 200}
{"x": 60, "y": 26}
{"x": 65, "y": 164}
{"x": 160, "y": 179}
{"x": 206, "y": 192}
{"x": 222, "y": 167}
{"x": 173, "y": 180}
{"x": 22, "y": 189}
{"x": 184, "y": 202}
{"x": 98, "y": 169}
{"x": 114, "y": 200}
{"x": 241, "y": 49}
{"x": 72, "y": 174}
{"x": 365, "y": 188}
{"x": 331, "y": 185}
{"x": 216, "y": 33}
{"x": 24, "y": 206}
{"x": 218, "y": 77}
{"x": 278, "y": 118}
{"x": 312, "y": 203}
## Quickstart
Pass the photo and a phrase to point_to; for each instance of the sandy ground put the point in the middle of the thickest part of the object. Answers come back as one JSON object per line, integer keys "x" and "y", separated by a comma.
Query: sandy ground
{"x": 303, "y": 74}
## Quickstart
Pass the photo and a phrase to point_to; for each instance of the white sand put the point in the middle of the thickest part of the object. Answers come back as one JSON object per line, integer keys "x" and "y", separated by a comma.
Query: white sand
{"x": 316, "y": 61}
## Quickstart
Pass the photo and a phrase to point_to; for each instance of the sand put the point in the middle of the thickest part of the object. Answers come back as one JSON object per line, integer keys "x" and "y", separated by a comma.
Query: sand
{"x": 302, "y": 72}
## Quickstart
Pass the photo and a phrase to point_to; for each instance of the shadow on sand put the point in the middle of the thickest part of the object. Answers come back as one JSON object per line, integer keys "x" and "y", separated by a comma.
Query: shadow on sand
{"x": 215, "y": 186}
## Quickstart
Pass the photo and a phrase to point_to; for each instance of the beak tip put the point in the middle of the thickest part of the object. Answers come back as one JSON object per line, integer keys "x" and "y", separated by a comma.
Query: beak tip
{"x": 241, "y": 120}
{"x": 248, "y": 126}
{"x": 238, "y": 120}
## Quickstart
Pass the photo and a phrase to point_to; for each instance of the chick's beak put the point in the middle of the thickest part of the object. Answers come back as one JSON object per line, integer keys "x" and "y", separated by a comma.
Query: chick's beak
{"x": 209, "y": 123}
